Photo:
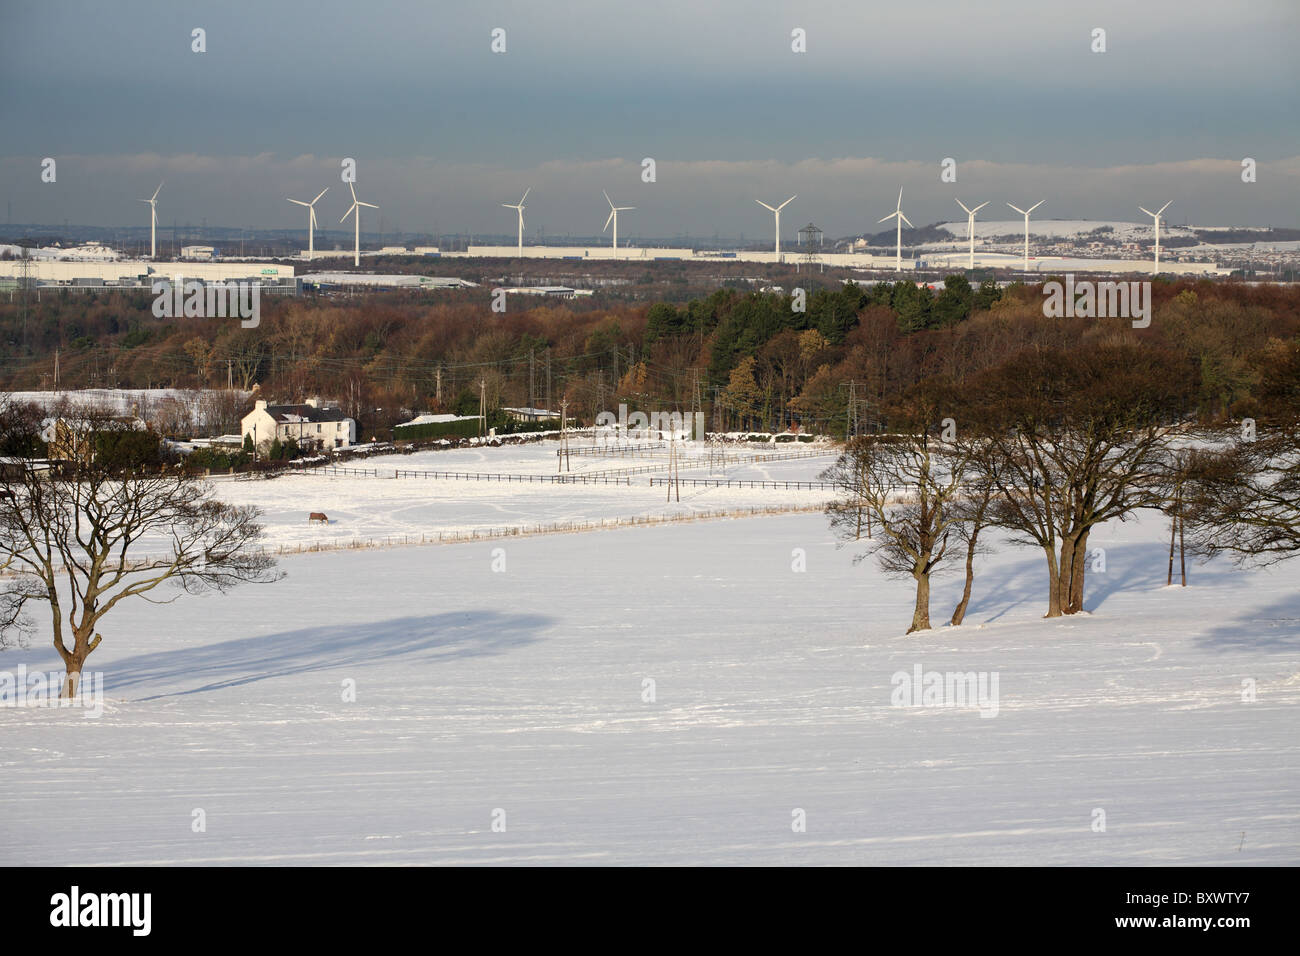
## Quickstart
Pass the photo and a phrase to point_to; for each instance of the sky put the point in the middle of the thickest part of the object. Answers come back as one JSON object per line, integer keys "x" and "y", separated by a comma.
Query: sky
{"x": 444, "y": 130}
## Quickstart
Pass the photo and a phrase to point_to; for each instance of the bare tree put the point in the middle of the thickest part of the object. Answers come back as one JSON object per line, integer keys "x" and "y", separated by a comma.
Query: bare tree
{"x": 909, "y": 484}
{"x": 1080, "y": 439}
{"x": 93, "y": 531}
{"x": 975, "y": 508}
{"x": 1245, "y": 500}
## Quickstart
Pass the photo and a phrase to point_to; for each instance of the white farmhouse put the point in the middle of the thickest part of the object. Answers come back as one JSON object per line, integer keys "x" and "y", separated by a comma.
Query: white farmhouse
{"x": 313, "y": 425}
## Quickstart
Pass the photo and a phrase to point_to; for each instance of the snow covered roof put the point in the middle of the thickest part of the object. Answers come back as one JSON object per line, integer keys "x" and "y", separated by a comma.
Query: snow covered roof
{"x": 438, "y": 419}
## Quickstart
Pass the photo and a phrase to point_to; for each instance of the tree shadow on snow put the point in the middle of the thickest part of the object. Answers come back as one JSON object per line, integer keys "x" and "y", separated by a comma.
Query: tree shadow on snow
{"x": 407, "y": 640}
{"x": 1273, "y": 627}
{"x": 1129, "y": 568}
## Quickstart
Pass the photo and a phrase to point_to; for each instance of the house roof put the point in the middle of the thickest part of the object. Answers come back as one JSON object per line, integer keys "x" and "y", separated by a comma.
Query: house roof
{"x": 296, "y": 414}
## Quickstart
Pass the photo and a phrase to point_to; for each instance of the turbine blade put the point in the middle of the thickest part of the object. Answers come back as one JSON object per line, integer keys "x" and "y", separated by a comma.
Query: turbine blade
{"x": 900, "y": 199}
{"x": 963, "y": 206}
{"x": 526, "y": 192}
{"x": 889, "y": 217}
{"x": 764, "y": 205}
{"x": 368, "y": 205}
{"x": 157, "y": 191}
{"x": 979, "y": 207}
{"x": 354, "y": 192}
{"x": 786, "y": 203}
{"x": 322, "y": 193}
{"x": 1165, "y": 206}
{"x": 1037, "y": 204}
{"x": 608, "y": 200}
{"x": 299, "y": 202}
{"x": 349, "y": 212}
{"x": 313, "y": 215}
{"x": 1148, "y": 211}
{"x": 610, "y": 219}
{"x": 906, "y": 220}
{"x": 1018, "y": 209}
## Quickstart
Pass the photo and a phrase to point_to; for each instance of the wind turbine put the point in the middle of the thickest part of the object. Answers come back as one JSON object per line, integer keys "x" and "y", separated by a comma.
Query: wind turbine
{"x": 1025, "y": 213}
{"x": 970, "y": 228}
{"x": 311, "y": 221}
{"x": 1156, "y": 216}
{"x": 520, "y": 208}
{"x": 898, "y": 249}
{"x": 356, "y": 208}
{"x": 153, "y": 221}
{"x": 613, "y": 216}
{"x": 776, "y": 213}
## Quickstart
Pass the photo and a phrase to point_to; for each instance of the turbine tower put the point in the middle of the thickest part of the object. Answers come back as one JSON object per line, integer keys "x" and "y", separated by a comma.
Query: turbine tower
{"x": 311, "y": 221}
{"x": 153, "y": 221}
{"x": 1025, "y": 213}
{"x": 356, "y": 208}
{"x": 613, "y": 216}
{"x": 970, "y": 228}
{"x": 519, "y": 207}
{"x": 898, "y": 248}
{"x": 776, "y": 213}
{"x": 1156, "y": 216}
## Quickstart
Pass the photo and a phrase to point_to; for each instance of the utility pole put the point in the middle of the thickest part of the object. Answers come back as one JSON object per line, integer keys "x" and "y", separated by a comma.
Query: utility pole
{"x": 697, "y": 403}
{"x": 532, "y": 379}
{"x": 564, "y": 434}
{"x": 482, "y": 407}
{"x": 437, "y": 389}
{"x": 674, "y": 482}
{"x": 852, "y": 421}
{"x": 56, "y": 370}
{"x": 230, "y": 375}
{"x": 548, "y": 379}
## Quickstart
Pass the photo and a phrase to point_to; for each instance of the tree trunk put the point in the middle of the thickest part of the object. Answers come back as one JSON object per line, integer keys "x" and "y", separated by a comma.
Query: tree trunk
{"x": 1182, "y": 553}
{"x": 959, "y": 614}
{"x": 921, "y": 616}
{"x": 73, "y": 660}
{"x": 1173, "y": 533}
{"x": 1054, "y": 584}
{"x": 1078, "y": 569}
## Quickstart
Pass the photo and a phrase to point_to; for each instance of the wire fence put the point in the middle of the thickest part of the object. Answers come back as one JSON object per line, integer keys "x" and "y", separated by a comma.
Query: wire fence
{"x": 746, "y": 483}
{"x": 525, "y": 531}
{"x": 560, "y": 479}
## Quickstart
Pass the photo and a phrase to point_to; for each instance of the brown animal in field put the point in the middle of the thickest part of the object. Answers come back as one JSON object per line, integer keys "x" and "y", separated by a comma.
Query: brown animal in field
{"x": 317, "y": 516}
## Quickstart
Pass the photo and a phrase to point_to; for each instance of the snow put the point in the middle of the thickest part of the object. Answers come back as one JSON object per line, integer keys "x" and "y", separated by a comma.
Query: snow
{"x": 521, "y": 689}
{"x": 121, "y": 401}
{"x": 387, "y": 509}
{"x": 1065, "y": 229}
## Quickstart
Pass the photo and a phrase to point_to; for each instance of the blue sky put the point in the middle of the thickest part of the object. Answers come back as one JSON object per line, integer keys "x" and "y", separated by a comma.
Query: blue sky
{"x": 444, "y": 130}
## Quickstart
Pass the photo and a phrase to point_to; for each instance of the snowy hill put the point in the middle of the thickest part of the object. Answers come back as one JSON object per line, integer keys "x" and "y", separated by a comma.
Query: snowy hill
{"x": 669, "y": 694}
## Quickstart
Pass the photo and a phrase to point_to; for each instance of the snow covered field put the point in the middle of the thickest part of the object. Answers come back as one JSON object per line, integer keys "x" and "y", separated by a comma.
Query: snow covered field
{"x": 375, "y": 509}
{"x": 523, "y": 690}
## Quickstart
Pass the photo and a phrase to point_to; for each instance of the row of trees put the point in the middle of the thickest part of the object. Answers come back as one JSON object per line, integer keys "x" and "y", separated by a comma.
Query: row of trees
{"x": 1051, "y": 444}
{"x": 766, "y": 362}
